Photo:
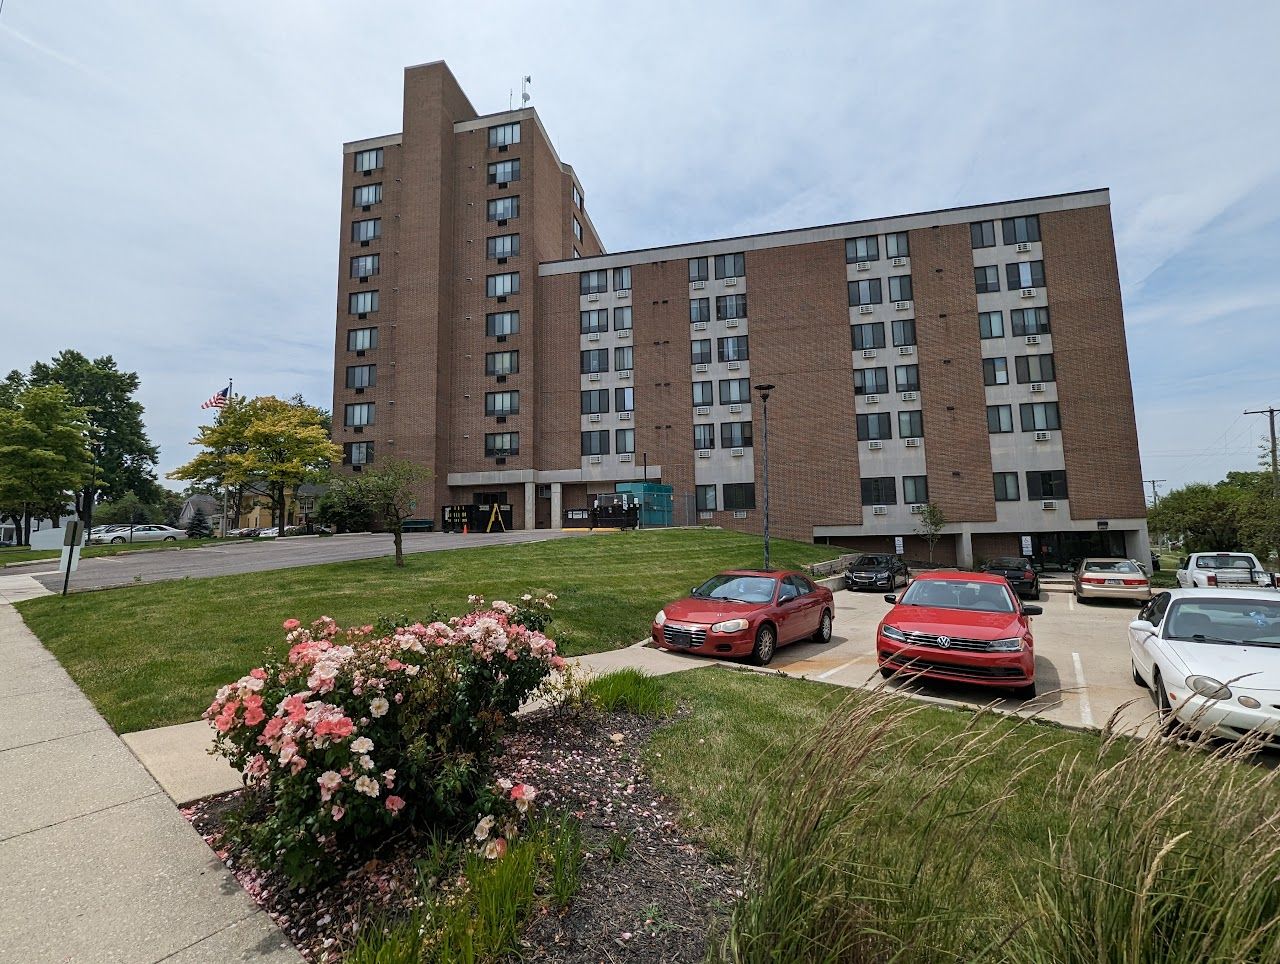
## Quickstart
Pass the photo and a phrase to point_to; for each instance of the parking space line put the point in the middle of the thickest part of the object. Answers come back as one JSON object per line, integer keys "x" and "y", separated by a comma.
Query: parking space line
{"x": 1071, "y": 601}
{"x": 832, "y": 672}
{"x": 1086, "y": 711}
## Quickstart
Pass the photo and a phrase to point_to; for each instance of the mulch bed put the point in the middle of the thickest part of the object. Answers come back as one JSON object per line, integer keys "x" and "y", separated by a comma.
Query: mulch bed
{"x": 648, "y": 892}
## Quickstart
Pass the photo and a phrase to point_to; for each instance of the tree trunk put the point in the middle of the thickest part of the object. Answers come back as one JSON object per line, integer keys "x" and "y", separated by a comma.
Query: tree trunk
{"x": 398, "y": 535}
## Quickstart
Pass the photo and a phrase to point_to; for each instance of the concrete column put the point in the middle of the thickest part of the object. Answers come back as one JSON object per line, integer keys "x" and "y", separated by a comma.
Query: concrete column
{"x": 530, "y": 506}
{"x": 1138, "y": 545}
{"x": 964, "y": 548}
{"x": 557, "y": 497}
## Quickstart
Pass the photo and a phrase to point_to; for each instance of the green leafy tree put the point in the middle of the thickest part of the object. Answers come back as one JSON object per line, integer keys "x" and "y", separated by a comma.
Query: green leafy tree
{"x": 1204, "y": 517}
{"x": 930, "y": 526}
{"x": 13, "y": 385}
{"x": 198, "y": 527}
{"x": 383, "y": 493}
{"x": 128, "y": 509}
{"x": 44, "y": 455}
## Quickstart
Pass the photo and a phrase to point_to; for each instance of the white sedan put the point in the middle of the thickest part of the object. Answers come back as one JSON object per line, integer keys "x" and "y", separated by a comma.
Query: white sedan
{"x": 139, "y": 533}
{"x": 1212, "y": 660}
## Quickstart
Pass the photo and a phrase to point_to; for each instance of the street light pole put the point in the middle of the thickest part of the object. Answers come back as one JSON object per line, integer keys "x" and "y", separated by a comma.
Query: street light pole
{"x": 764, "y": 391}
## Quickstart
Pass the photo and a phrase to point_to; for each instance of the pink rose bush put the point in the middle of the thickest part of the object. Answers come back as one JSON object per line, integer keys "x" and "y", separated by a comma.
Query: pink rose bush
{"x": 357, "y": 734}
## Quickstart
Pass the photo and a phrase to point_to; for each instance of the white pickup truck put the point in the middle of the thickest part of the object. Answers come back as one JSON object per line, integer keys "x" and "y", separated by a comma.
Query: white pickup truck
{"x": 1206, "y": 570}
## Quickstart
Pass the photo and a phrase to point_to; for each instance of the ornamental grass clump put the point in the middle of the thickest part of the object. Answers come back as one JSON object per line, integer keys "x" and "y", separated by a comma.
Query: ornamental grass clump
{"x": 356, "y": 735}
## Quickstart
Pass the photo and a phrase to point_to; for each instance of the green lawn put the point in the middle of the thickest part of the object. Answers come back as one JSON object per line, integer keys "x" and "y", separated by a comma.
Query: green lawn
{"x": 23, "y": 554}
{"x": 154, "y": 654}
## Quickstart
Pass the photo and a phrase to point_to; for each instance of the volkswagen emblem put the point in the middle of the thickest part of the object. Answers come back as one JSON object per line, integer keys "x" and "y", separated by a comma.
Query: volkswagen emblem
{"x": 944, "y": 642}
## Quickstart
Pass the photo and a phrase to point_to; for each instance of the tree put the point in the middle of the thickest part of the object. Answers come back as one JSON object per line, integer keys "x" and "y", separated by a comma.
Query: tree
{"x": 44, "y": 455}
{"x": 127, "y": 510}
{"x": 384, "y": 493}
{"x": 198, "y": 527}
{"x": 930, "y": 528}
{"x": 264, "y": 441}
{"x": 1204, "y": 517}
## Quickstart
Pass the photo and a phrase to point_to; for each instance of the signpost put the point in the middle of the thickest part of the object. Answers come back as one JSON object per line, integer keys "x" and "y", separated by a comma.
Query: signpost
{"x": 1026, "y": 546}
{"x": 72, "y": 536}
{"x": 897, "y": 545}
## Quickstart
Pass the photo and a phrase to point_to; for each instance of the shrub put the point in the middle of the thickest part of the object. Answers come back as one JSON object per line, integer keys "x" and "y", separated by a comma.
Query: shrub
{"x": 627, "y": 691}
{"x": 357, "y": 734}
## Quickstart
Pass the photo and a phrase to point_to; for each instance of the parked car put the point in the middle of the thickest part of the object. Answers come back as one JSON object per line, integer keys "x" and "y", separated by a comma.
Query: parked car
{"x": 268, "y": 533}
{"x": 877, "y": 571}
{"x": 1111, "y": 579}
{"x": 1024, "y": 580}
{"x": 1209, "y": 570}
{"x": 960, "y": 627}
{"x": 140, "y": 533}
{"x": 1211, "y": 657}
{"x": 746, "y": 612}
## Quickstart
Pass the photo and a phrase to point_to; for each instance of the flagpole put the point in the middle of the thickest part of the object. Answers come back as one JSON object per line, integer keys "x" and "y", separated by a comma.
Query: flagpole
{"x": 225, "y": 527}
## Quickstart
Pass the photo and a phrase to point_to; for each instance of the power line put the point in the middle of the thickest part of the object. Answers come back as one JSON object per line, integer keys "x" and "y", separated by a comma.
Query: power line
{"x": 1270, "y": 412}
{"x": 1155, "y": 495}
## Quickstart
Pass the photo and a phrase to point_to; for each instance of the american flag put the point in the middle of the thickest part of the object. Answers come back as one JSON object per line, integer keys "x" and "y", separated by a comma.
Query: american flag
{"x": 219, "y": 400}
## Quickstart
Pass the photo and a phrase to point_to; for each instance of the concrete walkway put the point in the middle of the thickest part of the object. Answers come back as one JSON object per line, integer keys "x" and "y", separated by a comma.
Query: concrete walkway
{"x": 96, "y": 863}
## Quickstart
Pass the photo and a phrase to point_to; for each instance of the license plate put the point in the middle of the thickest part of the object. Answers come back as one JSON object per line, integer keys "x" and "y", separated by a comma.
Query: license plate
{"x": 1115, "y": 582}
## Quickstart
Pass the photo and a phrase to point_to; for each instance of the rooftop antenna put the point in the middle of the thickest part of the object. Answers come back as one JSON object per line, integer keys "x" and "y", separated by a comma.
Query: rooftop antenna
{"x": 511, "y": 97}
{"x": 525, "y": 96}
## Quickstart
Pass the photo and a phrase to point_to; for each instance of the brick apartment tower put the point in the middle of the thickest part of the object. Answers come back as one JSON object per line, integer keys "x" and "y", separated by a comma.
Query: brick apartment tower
{"x": 974, "y": 358}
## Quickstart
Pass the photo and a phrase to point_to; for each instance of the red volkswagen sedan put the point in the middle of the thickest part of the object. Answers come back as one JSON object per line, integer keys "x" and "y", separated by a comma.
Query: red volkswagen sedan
{"x": 746, "y": 612}
{"x": 962, "y": 627}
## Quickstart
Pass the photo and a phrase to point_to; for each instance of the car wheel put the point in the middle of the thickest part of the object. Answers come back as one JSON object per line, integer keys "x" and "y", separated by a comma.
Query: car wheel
{"x": 117, "y": 540}
{"x": 766, "y": 645}
{"x": 1168, "y": 722}
{"x": 823, "y": 635}
{"x": 887, "y": 672}
{"x": 170, "y": 538}
{"x": 1137, "y": 677}
{"x": 1027, "y": 692}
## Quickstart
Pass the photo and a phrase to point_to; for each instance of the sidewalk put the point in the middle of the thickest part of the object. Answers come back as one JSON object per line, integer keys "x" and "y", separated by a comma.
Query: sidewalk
{"x": 96, "y": 863}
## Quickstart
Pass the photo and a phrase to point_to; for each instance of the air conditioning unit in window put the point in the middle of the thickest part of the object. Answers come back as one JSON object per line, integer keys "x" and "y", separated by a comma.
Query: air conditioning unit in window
{"x": 706, "y": 515}
{"x": 739, "y": 514}
{"x": 702, "y": 410}
{"x": 593, "y": 418}
{"x": 863, "y": 266}
{"x": 911, "y": 443}
{"x": 1023, "y": 247}
{"x": 910, "y": 396}
{"x": 360, "y": 353}
{"x": 872, "y": 399}
{"x": 700, "y": 368}
{"x": 699, "y": 285}
{"x": 907, "y": 350}
{"x": 879, "y": 510}
{"x": 699, "y": 326}
{"x": 624, "y": 416}
{"x": 1049, "y": 505}
{"x": 868, "y": 353}
{"x": 704, "y": 453}
{"x": 917, "y": 509}
{"x": 733, "y": 366}
{"x": 623, "y": 293}
{"x": 625, "y": 457}
{"x": 736, "y": 453}
{"x": 1028, "y": 292}
{"x": 593, "y": 377}
{"x": 1037, "y": 386}
{"x": 730, "y": 282}
{"x": 359, "y": 391}
{"x": 731, "y": 323}
{"x": 901, "y": 305}
{"x": 865, "y": 309}
{"x": 593, "y": 336}
{"x": 898, "y": 262}
{"x": 1033, "y": 339}
{"x": 625, "y": 333}
{"x": 735, "y": 409}
{"x": 875, "y": 444}
{"x": 594, "y": 460}
{"x": 502, "y": 420}
{"x": 593, "y": 297}
{"x": 1043, "y": 436}
{"x": 625, "y": 373}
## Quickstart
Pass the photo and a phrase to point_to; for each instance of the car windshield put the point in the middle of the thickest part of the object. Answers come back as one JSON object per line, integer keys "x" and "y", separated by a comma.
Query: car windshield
{"x": 752, "y": 589}
{"x": 1238, "y": 621}
{"x": 1111, "y": 565}
{"x": 1007, "y": 562}
{"x": 986, "y": 597}
{"x": 1224, "y": 562}
{"x": 871, "y": 561}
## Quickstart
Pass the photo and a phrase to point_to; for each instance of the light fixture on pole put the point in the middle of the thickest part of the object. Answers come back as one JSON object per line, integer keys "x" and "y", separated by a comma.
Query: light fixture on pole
{"x": 764, "y": 391}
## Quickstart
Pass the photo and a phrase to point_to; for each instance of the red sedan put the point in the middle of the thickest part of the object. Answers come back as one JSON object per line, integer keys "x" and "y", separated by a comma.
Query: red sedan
{"x": 961, "y": 627}
{"x": 746, "y": 612}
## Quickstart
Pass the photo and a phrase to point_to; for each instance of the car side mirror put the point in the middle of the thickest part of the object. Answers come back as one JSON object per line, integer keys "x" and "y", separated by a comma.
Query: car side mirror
{"x": 1033, "y": 610}
{"x": 890, "y": 598}
{"x": 693, "y": 591}
{"x": 787, "y": 595}
{"x": 1142, "y": 626}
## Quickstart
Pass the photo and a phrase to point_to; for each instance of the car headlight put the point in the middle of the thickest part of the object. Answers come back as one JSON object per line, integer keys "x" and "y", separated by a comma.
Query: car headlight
{"x": 1013, "y": 645}
{"x": 730, "y": 626}
{"x": 893, "y": 632}
{"x": 661, "y": 618}
{"x": 1209, "y": 687}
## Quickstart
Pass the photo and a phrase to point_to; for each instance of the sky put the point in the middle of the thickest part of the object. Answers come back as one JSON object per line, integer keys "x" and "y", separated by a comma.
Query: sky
{"x": 174, "y": 168}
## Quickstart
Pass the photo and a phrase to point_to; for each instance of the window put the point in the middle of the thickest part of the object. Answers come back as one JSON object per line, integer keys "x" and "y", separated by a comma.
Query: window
{"x": 362, "y": 339}
{"x": 735, "y": 435}
{"x": 731, "y": 306}
{"x": 622, "y": 279}
{"x": 594, "y": 320}
{"x": 624, "y": 441}
{"x": 995, "y": 371}
{"x": 362, "y": 302}
{"x": 983, "y": 234}
{"x": 501, "y": 444}
{"x": 739, "y": 496}
{"x": 624, "y": 358}
{"x": 595, "y": 360}
{"x": 900, "y": 288}
{"x": 577, "y": 198}
{"x": 1030, "y": 321}
{"x": 734, "y": 391}
{"x": 699, "y": 310}
{"x": 369, "y": 160}
{"x": 487, "y": 499}
{"x": 577, "y": 229}
{"x": 1020, "y": 230}
{"x": 896, "y": 246}
{"x": 501, "y": 285}
{"x": 1006, "y": 486}
{"x": 870, "y": 381}
{"x": 502, "y": 403}
{"x": 999, "y": 419}
{"x": 622, "y": 318}
{"x": 362, "y": 376}
{"x": 865, "y": 292}
{"x": 504, "y": 208}
{"x": 502, "y": 323}
{"x": 915, "y": 489}
{"x": 1034, "y": 368}
{"x": 359, "y": 414}
{"x": 698, "y": 269}
{"x": 870, "y": 335}
{"x": 703, "y": 394}
{"x": 502, "y": 363}
{"x": 366, "y": 265}
{"x": 732, "y": 349}
{"x": 704, "y": 436}
{"x": 595, "y": 443}
{"x": 504, "y": 172}
{"x": 370, "y": 229}
{"x": 911, "y": 424}
{"x": 906, "y": 378}
{"x": 503, "y": 246}
{"x": 624, "y": 399}
{"x": 862, "y": 249}
{"x": 874, "y": 427}
{"x": 986, "y": 279}
{"x": 365, "y": 194}
{"x": 904, "y": 332}
{"x": 700, "y": 351}
{"x": 593, "y": 282}
{"x": 990, "y": 324}
{"x": 881, "y": 491}
{"x": 504, "y": 135}
{"x": 357, "y": 453}
{"x": 1025, "y": 274}
{"x": 1047, "y": 485}
{"x": 706, "y": 498}
{"x": 731, "y": 266}
{"x": 595, "y": 401}
{"x": 1040, "y": 417}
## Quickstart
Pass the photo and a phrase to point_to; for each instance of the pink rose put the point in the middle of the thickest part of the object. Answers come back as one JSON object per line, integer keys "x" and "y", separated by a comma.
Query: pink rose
{"x": 258, "y": 673}
{"x": 253, "y": 715}
{"x": 395, "y": 804}
{"x": 290, "y": 625}
{"x": 337, "y": 812}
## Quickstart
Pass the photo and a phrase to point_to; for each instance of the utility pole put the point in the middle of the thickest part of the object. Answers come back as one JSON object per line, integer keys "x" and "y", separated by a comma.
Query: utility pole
{"x": 1270, "y": 412}
{"x": 1155, "y": 496}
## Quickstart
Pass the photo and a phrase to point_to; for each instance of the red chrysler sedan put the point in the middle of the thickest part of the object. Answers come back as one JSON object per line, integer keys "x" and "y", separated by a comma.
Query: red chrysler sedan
{"x": 961, "y": 627}
{"x": 746, "y": 612}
